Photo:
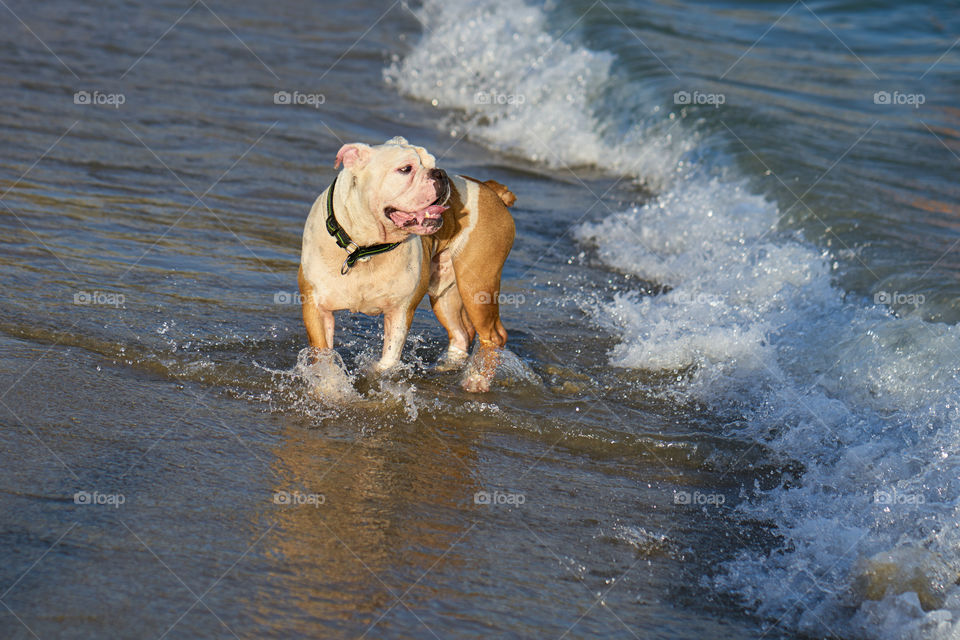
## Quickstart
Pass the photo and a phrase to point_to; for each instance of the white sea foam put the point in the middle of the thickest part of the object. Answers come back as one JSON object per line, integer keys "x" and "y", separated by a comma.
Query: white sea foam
{"x": 866, "y": 402}
{"x": 529, "y": 93}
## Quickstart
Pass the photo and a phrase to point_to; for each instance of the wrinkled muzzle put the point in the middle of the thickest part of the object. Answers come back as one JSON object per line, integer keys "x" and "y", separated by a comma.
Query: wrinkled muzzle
{"x": 429, "y": 219}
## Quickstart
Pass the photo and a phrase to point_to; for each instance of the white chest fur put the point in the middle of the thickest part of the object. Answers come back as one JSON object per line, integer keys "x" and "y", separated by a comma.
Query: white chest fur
{"x": 383, "y": 282}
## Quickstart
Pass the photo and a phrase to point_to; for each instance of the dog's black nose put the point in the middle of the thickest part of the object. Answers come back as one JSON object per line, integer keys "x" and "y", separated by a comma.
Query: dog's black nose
{"x": 437, "y": 174}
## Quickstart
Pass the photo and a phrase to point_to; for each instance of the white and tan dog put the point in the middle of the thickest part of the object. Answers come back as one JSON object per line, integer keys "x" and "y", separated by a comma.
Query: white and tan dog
{"x": 393, "y": 227}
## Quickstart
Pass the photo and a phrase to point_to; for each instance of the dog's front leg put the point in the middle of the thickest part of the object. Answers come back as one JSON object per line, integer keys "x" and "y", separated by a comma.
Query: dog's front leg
{"x": 319, "y": 322}
{"x": 396, "y": 324}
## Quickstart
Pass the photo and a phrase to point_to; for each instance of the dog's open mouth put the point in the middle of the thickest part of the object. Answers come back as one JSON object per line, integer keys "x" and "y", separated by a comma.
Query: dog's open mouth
{"x": 429, "y": 219}
{"x": 422, "y": 222}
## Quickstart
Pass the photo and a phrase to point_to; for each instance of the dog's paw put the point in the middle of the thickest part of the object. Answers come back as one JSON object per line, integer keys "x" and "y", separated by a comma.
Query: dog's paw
{"x": 380, "y": 370}
{"x": 325, "y": 375}
{"x": 482, "y": 368}
{"x": 476, "y": 383}
{"x": 453, "y": 359}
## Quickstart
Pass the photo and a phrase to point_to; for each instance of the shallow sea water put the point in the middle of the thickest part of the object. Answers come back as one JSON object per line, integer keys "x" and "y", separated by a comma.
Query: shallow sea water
{"x": 729, "y": 408}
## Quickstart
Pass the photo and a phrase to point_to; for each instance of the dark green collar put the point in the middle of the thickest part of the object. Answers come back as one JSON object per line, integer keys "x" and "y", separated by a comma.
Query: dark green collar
{"x": 354, "y": 251}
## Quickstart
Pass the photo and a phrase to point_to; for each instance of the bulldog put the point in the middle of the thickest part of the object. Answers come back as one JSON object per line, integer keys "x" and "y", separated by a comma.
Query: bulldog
{"x": 393, "y": 227}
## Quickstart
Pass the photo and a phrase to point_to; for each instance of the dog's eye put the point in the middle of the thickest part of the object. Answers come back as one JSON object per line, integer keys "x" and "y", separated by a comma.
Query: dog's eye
{"x": 406, "y": 169}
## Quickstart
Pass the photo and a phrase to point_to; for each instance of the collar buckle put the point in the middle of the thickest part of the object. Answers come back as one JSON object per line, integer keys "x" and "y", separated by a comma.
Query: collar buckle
{"x": 352, "y": 250}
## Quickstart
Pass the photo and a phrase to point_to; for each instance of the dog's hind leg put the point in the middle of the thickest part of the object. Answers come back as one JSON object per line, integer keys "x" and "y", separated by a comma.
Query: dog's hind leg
{"x": 448, "y": 307}
{"x": 478, "y": 267}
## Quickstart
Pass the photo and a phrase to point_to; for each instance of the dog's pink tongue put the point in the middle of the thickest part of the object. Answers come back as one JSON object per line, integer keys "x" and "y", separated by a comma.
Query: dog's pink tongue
{"x": 407, "y": 218}
{"x": 431, "y": 212}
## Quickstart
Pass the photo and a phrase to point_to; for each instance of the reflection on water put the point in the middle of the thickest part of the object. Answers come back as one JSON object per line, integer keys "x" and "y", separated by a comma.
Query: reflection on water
{"x": 395, "y": 506}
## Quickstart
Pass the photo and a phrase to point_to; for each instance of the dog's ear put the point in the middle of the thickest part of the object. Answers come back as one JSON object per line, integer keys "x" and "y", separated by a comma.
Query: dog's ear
{"x": 426, "y": 158}
{"x": 353, "y": 156}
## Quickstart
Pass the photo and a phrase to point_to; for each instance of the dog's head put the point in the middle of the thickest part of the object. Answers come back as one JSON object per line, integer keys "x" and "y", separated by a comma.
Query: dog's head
{"x": 398, "y": 181}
